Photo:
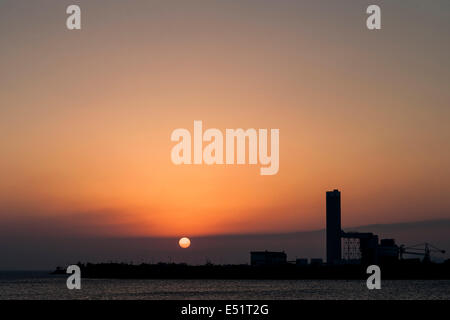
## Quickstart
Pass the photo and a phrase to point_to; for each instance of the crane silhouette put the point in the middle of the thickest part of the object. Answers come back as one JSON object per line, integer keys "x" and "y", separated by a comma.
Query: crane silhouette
{"x": 422, "y": 249}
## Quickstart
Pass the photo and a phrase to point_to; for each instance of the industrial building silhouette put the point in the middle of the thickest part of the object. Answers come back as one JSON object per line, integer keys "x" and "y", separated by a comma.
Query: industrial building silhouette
{"x": 348, "y": 247}
{"x": 359, "y": 247}
{"x": 333, "y": 225}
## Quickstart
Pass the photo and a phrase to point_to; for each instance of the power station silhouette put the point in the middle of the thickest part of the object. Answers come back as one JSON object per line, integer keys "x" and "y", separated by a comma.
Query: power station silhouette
{"x": 349, "y": 247}
{"x": 363, "y": 247}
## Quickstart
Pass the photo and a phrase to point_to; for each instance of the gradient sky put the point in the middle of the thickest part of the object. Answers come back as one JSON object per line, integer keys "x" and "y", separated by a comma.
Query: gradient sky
{"x": 86, "y": 116}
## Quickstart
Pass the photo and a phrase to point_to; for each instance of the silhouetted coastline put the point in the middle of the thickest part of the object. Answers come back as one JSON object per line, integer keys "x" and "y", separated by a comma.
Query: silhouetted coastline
{"x": 402, "y": 270}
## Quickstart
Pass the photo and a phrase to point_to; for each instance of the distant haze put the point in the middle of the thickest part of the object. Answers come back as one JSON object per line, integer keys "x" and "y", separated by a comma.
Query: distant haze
{"x": 46, "y": 252}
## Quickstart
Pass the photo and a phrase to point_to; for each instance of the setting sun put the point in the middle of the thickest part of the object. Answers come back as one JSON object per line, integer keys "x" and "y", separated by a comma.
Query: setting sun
{"x": 184, "y": 243}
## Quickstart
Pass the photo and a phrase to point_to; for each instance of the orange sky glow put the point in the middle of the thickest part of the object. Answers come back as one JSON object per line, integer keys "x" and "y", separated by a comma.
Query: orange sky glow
{"x": 86, "y": 119}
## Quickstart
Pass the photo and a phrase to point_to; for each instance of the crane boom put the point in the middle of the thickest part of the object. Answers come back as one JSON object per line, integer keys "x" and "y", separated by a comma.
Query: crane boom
{"x": 422, "y": 249}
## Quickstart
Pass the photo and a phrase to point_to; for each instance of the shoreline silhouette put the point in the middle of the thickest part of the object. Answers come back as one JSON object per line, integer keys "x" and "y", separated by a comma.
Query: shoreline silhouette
{"x": 406, "y": 269}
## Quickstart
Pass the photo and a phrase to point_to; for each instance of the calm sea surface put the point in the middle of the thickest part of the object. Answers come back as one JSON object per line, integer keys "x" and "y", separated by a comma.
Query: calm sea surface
{"x": 41, "y": 285}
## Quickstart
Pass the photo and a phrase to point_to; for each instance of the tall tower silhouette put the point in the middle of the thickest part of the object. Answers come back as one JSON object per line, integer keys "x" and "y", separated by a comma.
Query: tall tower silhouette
{"x": 333, "y": 226}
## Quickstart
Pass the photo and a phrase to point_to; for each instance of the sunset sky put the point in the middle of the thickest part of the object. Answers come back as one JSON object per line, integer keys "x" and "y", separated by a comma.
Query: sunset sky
{"x": 86, "y": 116}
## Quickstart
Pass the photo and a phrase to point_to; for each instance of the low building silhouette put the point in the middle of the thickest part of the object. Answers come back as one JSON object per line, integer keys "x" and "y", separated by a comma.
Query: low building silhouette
{"x": 264, "y": 258}
{"x": 301, "y": 262}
